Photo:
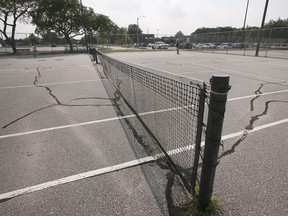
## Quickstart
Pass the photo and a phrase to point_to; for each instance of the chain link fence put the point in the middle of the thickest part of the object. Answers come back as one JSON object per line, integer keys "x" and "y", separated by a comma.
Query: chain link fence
{"x": 49, "y": 43}
{"x": 273, "y": 42}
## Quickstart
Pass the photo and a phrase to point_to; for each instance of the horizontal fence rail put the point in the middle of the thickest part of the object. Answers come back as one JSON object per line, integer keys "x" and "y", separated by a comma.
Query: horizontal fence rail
{"x": 170, "y": 106}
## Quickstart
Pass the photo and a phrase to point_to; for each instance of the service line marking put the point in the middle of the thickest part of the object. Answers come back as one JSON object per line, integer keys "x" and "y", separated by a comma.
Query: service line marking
{"x": 118, "y": 118}
{"x": 129, "y": 164}
{"x": 51, "y": 84}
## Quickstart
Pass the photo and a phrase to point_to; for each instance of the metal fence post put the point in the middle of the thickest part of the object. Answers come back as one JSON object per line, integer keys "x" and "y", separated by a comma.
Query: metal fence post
{"x": 198, "y": 138}
{"x": 218, "y": 97}
{"x": 95, "y": 56}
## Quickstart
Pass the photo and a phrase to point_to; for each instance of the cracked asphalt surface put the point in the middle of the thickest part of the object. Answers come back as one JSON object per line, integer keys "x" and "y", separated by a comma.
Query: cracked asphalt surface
{"x": 56, "y": 90}
{"x": 252, "y": 177}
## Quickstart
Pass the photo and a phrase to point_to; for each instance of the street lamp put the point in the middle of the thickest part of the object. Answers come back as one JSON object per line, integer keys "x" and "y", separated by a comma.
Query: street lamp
{"x": 138, "y": 27}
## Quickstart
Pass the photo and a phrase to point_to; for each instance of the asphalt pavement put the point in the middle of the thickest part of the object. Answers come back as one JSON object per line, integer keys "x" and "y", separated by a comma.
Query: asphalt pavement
{"x": 64, "y": 149}
{"x": 251, "y": 178}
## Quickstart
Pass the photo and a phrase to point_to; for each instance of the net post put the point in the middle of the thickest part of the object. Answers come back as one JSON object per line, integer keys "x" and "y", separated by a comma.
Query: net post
{"x": 198, "y": 137}
{"x": 218, "y": 97}
{"x": 95, "y": 56}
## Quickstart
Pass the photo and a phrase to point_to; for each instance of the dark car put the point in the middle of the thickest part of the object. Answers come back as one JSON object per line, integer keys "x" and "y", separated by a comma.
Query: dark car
{"x": 239, "y": 46}
{"x": 186, "y": 45}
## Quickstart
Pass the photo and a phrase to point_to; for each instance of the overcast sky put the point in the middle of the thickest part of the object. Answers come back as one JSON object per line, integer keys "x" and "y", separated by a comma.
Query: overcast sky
{"x": 170, "y": 16}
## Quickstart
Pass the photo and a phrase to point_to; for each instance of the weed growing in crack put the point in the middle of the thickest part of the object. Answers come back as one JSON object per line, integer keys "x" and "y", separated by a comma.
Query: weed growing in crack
{"x": 214, "y": 208}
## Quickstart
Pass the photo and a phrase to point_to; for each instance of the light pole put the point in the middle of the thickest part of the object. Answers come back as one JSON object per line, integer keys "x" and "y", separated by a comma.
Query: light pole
{"x": 261, "y": 29}
{"x": 138, "y": 27}
{"x": 246, "y": 14}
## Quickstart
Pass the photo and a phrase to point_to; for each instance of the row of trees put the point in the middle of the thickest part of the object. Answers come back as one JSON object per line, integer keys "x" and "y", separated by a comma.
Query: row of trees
{"x": 58, "y": 19}
{"x": 66, "y": 18}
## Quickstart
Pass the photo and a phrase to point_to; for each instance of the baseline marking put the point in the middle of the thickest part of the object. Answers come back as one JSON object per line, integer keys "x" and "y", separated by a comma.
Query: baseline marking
{"x": 129, "y": 164}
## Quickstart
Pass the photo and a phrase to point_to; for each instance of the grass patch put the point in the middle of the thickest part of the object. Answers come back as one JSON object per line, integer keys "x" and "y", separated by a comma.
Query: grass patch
{"x": 214, "y": 207}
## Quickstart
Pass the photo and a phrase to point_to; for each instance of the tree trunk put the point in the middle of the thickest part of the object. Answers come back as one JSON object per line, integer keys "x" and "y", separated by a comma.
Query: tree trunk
{"x": 11, "y": 42}
{"x": 70, "y": 42}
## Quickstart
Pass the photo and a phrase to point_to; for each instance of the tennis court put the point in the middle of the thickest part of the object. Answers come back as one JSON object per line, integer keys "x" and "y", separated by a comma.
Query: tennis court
{"x": 60, "y": 128}
{"x": 250, "y": 178}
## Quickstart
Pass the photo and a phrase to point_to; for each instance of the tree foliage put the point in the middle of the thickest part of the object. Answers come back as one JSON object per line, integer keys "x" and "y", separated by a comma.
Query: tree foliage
{"x": 68, "y": 18}
{"x": 277, "y": 23}
{"x": 211, "y": 30}
{"x": 179, "y": 34}
{"x": 62, "y": 16}
{"x": 134, "y": 31}
{"x": 12, "y": 11}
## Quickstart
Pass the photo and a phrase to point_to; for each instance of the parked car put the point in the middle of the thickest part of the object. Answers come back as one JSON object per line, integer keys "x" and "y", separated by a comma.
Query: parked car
{"x": 160, "y": 45}
{"x": 240, "y": 45}
{"x": 186, "y": 45}
{"x": 224, "y": 46}
{"x": 199, "y": 46}
{"x": 208, "y": 46}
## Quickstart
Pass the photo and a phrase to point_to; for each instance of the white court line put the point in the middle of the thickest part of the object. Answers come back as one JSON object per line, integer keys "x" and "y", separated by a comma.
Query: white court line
{"x": 73, "y": 178}
{"x": 93, "y": 173}
{"x": 86, "y": 123}
{"x": 263, "y": 94}
{"x": 51, "y": 84}
{"x": 118, "y": 118}
{"x": 64, "y": 126}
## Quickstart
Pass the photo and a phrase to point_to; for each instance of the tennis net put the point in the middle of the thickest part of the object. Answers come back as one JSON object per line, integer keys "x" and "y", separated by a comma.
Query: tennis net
{"x": 169, "y": 106}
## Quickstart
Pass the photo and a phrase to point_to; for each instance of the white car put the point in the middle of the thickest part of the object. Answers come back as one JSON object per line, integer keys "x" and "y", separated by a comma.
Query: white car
{"x": 160, "y": 45}
{"x": 206, "y": 46}
{"x": 199, "y": 46}
{"x": 224, "y": 46}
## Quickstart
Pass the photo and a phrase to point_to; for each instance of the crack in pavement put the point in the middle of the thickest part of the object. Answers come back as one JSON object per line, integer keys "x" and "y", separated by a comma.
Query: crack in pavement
{"x": 58, "y": 102}
{"x": 253, "y": 119}
{"x": 47, "y": 88}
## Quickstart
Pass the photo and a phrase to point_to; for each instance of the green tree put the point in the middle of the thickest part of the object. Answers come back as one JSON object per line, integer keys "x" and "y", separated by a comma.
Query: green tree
{"x": 51, "y": 38}
{"x": 62, "y": 16}
{"x": 134, "y": 31}
{"x": 34, "y": 39}
{"x": 179, "y": 35}
{"x": 96, "y": 24}
{"x": 12, "y": 11}
{"x": 280, "y": 29}
{"x": 122, "y": 39}
{"x": 277, "y": 23}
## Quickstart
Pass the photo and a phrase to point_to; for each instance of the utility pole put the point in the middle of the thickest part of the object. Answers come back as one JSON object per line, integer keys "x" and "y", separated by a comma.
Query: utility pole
{"x": 244, "y": 25}
{"x": 138, "y": 28}
{"x": 261, "y": 29}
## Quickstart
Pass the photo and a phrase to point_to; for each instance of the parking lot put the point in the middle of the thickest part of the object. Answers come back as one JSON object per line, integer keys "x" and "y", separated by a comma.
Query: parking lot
{"x": 61, "y": 140}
